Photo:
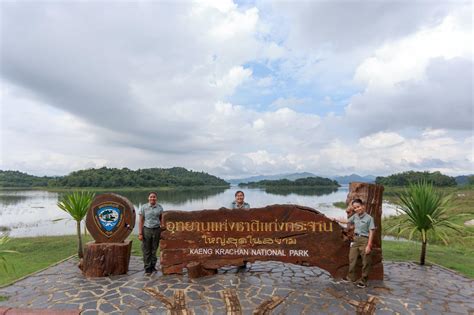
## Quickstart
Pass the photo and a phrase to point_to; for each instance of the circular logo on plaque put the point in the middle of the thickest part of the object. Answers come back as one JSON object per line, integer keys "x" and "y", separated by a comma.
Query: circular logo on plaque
{"x": 110, "y": 218}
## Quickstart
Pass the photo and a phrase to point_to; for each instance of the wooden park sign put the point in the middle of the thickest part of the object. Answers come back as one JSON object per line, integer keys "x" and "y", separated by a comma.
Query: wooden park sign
{"x": 203, "y": 241}
{"x": 110, "y": 220}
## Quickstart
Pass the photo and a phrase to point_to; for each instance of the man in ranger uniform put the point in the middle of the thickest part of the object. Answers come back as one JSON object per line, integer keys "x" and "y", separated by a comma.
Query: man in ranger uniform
{"x": 149, "y": 231}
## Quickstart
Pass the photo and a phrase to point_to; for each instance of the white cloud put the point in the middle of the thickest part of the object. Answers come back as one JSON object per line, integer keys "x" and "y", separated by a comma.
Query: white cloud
{"x": 430, "y": 133}
{"x": 153, "y": 85}
{"x": 416, "y": 81}
{"x": 234, "y": 78}
{"x": 381, "y": 140}
{"x": 235, "y": 24}
{"x": 407, "y": 58}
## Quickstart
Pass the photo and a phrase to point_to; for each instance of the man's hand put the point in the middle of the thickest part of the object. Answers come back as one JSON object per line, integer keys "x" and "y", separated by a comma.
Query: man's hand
{"x": 368, "y": 249}
{"x": 350, "y": 210}
{"x": 140, "y": 237}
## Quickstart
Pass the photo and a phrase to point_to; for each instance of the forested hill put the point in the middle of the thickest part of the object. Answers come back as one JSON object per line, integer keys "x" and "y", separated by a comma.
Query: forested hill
{"x": 112, "y": 177}
{"x": 405, "y": 178}
{"x": 301, "y": 182}
{"x": 19, "y": 179}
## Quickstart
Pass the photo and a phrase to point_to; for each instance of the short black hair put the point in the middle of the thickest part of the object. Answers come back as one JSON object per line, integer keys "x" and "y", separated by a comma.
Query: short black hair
{"x": 153, "y": 192}
{"x": 359, "y": 201}
{"x": 239, "y": 191}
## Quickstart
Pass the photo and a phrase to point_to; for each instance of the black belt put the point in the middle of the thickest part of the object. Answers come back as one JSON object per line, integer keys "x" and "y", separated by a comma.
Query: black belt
{"x": 360, "y": 235}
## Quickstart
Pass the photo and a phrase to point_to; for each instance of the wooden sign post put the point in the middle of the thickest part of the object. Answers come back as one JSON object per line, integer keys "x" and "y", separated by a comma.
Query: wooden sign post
{"x": 110, "y": 220}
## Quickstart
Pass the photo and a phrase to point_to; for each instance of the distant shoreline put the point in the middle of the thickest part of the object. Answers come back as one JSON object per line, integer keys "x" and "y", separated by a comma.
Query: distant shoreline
{"x": 100, "y": 189}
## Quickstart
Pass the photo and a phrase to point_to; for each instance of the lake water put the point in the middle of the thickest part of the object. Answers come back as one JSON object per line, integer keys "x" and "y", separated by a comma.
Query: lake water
{"x": 34, "y": 212}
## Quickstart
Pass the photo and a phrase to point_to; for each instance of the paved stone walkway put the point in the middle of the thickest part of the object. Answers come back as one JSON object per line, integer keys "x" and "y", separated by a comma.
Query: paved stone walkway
{"x": 407, "y": 289}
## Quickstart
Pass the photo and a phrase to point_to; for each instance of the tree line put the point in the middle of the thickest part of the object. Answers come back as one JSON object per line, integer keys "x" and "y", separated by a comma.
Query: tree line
{"x": 411, "y": 177}
{"x": 301, "y": 182}
{"x": 113, "y": 177}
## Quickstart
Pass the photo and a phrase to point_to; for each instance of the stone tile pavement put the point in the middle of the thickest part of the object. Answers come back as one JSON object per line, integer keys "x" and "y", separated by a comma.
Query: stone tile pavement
{"x": 407, "y": 289}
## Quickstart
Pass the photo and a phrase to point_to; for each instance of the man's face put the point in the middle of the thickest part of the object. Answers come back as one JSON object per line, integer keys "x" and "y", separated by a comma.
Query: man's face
{"x": 358, "y": 208}
{"x": 239, "y": 198}
{"x": 152, "y": 199}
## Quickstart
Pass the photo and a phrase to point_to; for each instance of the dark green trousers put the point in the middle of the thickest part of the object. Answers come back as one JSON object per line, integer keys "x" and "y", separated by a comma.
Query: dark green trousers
{"x": 150, "y": 243}
{"x": 358, "y": 249}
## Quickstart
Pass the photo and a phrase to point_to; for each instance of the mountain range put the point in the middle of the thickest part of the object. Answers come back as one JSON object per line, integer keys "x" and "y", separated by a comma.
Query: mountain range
{"x": 343, "y": 180}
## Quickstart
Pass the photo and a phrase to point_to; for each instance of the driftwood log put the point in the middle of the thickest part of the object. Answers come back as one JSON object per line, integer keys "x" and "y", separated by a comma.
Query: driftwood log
{"x": 106, "y": 259}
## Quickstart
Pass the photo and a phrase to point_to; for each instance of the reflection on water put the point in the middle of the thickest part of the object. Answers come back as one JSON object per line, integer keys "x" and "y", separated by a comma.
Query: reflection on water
{"x": 32, "y": 212}
{"x": 175, "y": 197}
{"x": 6, "y": 200}
{"x": 302, "y": 191}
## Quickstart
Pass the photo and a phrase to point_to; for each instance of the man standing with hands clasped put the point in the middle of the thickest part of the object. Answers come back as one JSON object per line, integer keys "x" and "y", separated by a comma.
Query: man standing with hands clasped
{"x": 364, "y": 228}
{"x": 149, "y": 231}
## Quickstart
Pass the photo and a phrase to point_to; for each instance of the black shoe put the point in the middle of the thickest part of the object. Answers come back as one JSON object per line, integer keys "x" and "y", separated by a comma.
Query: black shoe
{"x": 148, "y": 271}
{"x": 361, "y": 284}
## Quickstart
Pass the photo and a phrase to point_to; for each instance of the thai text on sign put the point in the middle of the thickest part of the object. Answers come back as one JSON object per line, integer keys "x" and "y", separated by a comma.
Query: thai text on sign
{"x": 286, "y": 233}
{"x": 249, "y": 226}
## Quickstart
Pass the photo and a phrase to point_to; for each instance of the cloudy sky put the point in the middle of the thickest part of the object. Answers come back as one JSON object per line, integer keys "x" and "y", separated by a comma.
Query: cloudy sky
{"x": 237, "y": 88}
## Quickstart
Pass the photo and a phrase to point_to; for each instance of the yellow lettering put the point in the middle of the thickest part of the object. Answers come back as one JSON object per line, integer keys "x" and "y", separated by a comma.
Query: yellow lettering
{"x": 267, "y": 241}
{"x": 170, "y": 226}
{"x": 330, "y": 227}
{"x": 189, "y": 226}
{"x": 179, "y": 226}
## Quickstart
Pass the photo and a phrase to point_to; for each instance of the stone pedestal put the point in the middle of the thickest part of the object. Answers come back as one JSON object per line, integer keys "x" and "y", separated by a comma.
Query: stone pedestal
{"x": 106, "y": 259}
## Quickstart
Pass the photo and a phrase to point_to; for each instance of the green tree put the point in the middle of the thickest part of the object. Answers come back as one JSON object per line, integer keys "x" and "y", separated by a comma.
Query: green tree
{"x": 410, "y": 177}
{"x": 77, "y": 204}
{"x": 425, "y": 212}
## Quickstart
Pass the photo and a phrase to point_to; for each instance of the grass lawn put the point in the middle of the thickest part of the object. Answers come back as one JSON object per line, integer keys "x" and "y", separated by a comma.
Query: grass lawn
{"x": 457, "y": 258}
{"x": 36, "y": 253}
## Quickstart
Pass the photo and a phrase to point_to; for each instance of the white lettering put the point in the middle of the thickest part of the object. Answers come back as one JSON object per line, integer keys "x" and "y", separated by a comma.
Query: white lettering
{"x": 268, "y": 252}
{"x": 200, "y": 251}
{"x": 232, "y": 251}
{"x": 299, "y": 252}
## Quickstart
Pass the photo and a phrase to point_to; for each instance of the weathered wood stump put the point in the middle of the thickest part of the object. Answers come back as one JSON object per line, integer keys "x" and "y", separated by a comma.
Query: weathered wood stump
{"x": 110, "y": 220}
{"x": 197, "y": 270}
{"x": 372, "y": 196}
{"x": 106, "y": 259}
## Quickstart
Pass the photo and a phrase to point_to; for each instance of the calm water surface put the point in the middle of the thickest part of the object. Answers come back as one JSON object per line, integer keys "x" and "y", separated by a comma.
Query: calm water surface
{"x": 34, "y": 212}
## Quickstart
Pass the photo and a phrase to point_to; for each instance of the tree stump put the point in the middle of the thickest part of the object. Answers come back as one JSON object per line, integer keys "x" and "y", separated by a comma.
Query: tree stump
{"x": 197, "y": 270}
{"x": 106, "y": 259}
{"x": 372, "y": 196}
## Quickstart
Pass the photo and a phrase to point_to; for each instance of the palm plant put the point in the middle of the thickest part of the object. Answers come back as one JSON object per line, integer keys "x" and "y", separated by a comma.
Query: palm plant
{"x": 425, "y": 210}
{"x": 3, "y": 261}
{"x": 77, "y": 204}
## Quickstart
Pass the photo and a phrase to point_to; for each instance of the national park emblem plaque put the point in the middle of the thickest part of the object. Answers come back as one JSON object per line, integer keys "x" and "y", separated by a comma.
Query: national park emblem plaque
{"x": 111, "y": 218}
{"x": 108, "y": 217}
